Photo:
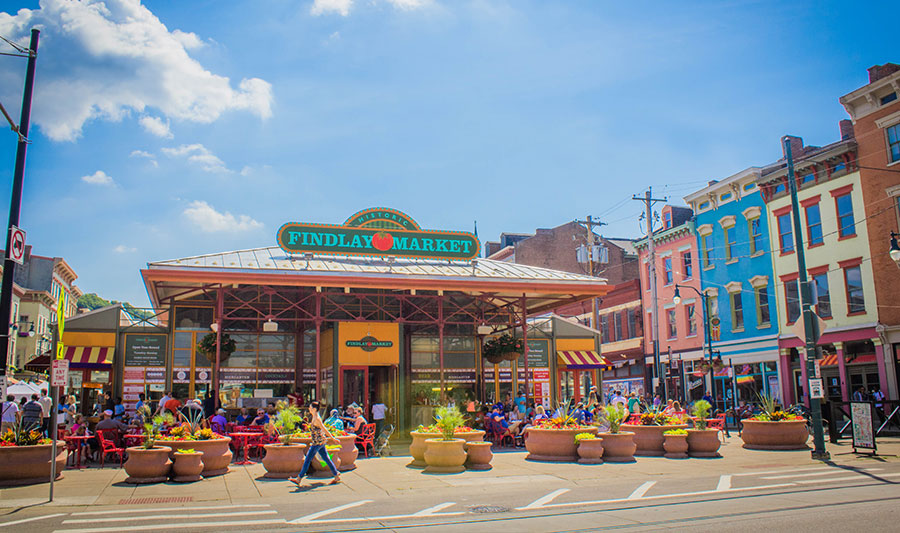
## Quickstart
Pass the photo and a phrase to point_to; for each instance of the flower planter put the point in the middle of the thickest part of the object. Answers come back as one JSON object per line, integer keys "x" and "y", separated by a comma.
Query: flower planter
{"x": 553, "y": 444}
{"x": 478, "y": 455}
{"x": 476, "y": 435}
{"x": 320, "y": 470}
{"x": 590, "y": 452}
{"x": 703, "y": 442}
{"x": 282, "y": 462}
{"x": 301, "y": 440}
{"x": 417, "y": 448}
{"x": 445, "y": 456}
{"x": 348, "y": 452}
{"x": 618, "y": 447}
{"x": 782, "y": 435}
{"x": 676, "y": 446}
{"x": 216, "y": 453}
{"x": 148, "y": 466}
{"x": 649, "y": 439}
{"x": 24, "y": 465}
{"x": 187, "y": 467}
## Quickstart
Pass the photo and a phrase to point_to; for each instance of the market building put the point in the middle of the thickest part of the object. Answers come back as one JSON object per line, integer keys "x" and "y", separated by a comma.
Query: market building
{"x": 375, "y": 309}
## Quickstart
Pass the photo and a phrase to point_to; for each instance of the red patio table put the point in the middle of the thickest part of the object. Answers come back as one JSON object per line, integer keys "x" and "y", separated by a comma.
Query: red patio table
{"x": 242, "y": 437}
{"x": 80, "y": 441}
{"x": 133, "y": 439}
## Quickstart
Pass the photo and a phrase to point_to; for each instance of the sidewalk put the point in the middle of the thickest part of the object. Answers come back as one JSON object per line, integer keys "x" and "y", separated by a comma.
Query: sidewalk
{"x": 388, "y": 477}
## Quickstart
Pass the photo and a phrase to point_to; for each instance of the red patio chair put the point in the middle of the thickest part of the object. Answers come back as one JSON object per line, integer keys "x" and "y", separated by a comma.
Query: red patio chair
{"x": 366, "y": 438}
{"x": 108, "y": 445}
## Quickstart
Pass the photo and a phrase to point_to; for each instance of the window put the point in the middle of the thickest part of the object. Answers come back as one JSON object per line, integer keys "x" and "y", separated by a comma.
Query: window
{"x": 667, "y": 266}
{"x": 705, "y": 245}
{"x": 687, "y": 267}
{"x": 713, "y": 303}
{"x": 604, "y": 328}
{"x": 617, "y": 324}
{"x": 649, "y": 279}
{"x": 632, "y": 323}
{"x": 893, "y": 134}
{"x": 820, "y": 294}
{"x": 807, "y": 178}
{"x": 673, "y": 326}
{"x": 756, "y": 244}
{"x": 749, "y": 186}
{"x": 792, "y": 300}
{"x": 856, "y": 301}
{"x": 762, "y": 306}
{"x": 667, "y": 219}
{"x": 730, "y": 242}
{"x": 888, "y": 98}
{"x": 737, "y": 311}
{"x": 813, "y": 225}
{"x": 703, "y": 205}
{"x": 691, "y": 312}
{"x": 779, "y": 188}
{"x": 785, "y": 235}
{"x": 846, "y": 226}
{"x": 725, "y": 197}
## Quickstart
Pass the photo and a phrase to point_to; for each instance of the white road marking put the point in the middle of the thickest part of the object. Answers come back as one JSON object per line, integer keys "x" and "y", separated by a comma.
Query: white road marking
{"x": 166, "y": 517}
{"x": 830, "y": 471}
{"x": 724, "y": 483}
{"x": 543, "y": 500}
{"x": 640, "y": 491}
{"x": 160, "y": 509}
{"x": 433, "y": 510}
{"x": 326, "y": 512}
{"x": 782, "y": 471}
{"x": 374, "y": 518}
{"x": 857, "y": 477}
{"x": 24, "y": 520}
{"x": 175, "y": 527}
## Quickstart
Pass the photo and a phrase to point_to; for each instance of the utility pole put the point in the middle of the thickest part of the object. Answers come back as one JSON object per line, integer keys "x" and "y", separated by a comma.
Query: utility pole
{"x": 810, "y": 323}
{"x": 589, "y": 223}
{"x": 654, "y": 317}
{"x": 15, "y": 204}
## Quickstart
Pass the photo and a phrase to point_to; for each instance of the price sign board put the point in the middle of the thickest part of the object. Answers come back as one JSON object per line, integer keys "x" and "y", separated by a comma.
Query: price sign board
{"x": 59, "y": 374}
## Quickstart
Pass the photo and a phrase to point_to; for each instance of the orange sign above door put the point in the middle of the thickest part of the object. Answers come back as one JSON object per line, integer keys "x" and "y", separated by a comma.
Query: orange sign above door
{"x": 368, "y": 343}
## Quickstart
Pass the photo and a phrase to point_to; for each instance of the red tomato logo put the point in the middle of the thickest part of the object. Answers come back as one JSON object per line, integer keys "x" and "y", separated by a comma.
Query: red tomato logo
{"x": 382, "y": 241}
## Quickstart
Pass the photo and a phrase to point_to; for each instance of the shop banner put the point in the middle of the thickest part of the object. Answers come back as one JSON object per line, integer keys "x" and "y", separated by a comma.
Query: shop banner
{"x": 203, "y": 375}
{"x": 145, "y": 350}
{"x": 181, "y": 375}
{"x": 155, "y": 375}
{"x": 276, "y": 375}
{"x": 238, "y": 375}
{"x": 309, "y": 376}
{"x": 454, "y": 375}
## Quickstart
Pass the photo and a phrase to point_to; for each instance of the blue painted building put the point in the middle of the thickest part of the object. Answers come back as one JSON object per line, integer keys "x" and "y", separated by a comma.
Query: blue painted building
{"x": 736, "y": 273}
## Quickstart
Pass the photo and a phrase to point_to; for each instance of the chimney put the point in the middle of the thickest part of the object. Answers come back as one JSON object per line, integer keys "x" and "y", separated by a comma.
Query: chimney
{"x": 878, "y": 72}
{"x": 796, "y": 146}
{"x": 846, "y": 129}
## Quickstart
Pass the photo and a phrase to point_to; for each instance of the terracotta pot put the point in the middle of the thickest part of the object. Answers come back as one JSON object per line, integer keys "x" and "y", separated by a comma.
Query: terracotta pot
{"x": 676, "y": 446}
{"x": 478, "y": 455}
{"x": 553, "y": 444}
{"x": 417, "y": 448}
{"x": 590, "y": 451}
{"x": 301, "y": 440}
{"x": 445, "y": 456}
{"x": 317, "y": 468}
{"x": 148, "y": 466}
{"x": 703, "y": 442}
{"x": 348, "y": 452}
{"x": 783, "y": 435}
{"x": 187, "y": 467}
{"x": 24, "y": 465}
{"x": 618, "y": 447}
{"x": 216, "y": 453}
{"x": 282, "y": 462}
{"x": 471, "y": 436}
{"x": 649, "y": 439}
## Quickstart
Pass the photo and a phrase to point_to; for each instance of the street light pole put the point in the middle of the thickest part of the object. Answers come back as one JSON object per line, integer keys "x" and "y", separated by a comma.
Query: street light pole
{"x": 707, "y": 337}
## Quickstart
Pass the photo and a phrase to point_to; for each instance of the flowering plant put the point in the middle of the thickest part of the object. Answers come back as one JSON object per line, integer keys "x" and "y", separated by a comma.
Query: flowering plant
{"x": 19, "y": 436}
{"x": 433, "y": 428}
{"x": 771, "y": 411}
{"x": 562, "y": 419}
{"x": 186, "y": 450}
{"x": 505, "y": 347}
{"x": 585, "y": 436}
{"x": 675, "y": 432}
{"x": 659, "y": 419}
{"x": 184, "y": 433}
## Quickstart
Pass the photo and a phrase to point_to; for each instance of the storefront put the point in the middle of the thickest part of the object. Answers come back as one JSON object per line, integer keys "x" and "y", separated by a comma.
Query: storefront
{"x": 375, "y": 309}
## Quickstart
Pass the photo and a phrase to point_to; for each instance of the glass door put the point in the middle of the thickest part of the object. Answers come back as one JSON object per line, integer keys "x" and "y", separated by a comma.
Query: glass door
{"x": 355, "y": 386}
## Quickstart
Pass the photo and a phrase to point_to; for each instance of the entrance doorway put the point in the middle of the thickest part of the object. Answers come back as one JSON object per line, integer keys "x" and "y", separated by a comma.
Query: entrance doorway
{"x": 575, "y": 385}
{"x": 366, "y": 385}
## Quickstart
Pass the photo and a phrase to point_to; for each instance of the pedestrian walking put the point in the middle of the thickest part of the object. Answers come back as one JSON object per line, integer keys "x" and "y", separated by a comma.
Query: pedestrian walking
{"x": 379, "y": 411}
{"x": 319, "y": 435}
{"x": 860, "y": 395}
{"x": 10, "y": 413}
{"x": 32, "y": 414}
{"x": 46, "y": 404}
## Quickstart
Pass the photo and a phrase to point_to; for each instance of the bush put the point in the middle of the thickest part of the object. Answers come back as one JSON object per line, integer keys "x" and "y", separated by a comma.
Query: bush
{"x": 584, "y": 436}
{"x": 675, "y": 432}
{"x": 616, "y": 415}
{"x": 448, "y": 419}
{"x": 701, "y": 411}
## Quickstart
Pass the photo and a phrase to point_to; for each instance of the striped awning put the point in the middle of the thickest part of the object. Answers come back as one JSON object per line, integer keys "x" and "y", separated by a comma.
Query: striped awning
{"x": 832, "y": 360}
{"x": 90, "y": 357}
{"x": 582, "y": 359}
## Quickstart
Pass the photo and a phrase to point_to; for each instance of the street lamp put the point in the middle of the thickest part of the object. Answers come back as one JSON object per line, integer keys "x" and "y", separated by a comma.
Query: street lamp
{"x": 676, "y": 298}
{"x": 895, "y": 247}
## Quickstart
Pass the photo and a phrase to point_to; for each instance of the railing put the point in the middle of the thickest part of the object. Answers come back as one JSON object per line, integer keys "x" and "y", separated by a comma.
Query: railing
{"x": 886, "y": 419}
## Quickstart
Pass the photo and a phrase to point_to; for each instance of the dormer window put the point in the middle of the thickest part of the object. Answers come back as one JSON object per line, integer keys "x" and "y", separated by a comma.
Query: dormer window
{"x": 667, "y": 219}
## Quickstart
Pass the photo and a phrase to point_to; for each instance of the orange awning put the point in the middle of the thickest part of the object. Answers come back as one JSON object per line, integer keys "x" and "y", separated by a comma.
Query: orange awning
{"x": 582, "y": 359}
{"x": 832, "y": 360}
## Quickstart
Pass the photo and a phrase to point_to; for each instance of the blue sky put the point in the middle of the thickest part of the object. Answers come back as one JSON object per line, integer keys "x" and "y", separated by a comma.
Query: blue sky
{"x": 168, "y": 129}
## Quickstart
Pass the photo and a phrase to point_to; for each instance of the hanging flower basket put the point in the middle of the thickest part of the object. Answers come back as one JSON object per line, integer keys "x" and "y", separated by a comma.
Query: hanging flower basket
{"x": 494, "y": 359}
{"x": 705, "y": 367}
{"x": 717, "y": 364}
{"x": 207, "y": 346}
{"x": 502, "y": 348}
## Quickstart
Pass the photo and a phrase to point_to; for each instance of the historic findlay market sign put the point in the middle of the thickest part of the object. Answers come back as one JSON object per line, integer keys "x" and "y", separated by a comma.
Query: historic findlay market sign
{"x": 378, "y": 232}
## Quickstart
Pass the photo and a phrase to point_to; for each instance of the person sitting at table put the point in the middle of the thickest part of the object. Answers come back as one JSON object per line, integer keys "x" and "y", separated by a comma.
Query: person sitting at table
{"x": 356, "y": 426}
{"x": 501, "y": 424}
{"x": 108, "y": 422}
{"x": 670, "y": 408}
{"x": 244, "y": 418}
{"x": 261, "y": 418}
{"x": 218, "y": 422}
{"x": 539, "y": 413}
{"x": 334, "y": 421}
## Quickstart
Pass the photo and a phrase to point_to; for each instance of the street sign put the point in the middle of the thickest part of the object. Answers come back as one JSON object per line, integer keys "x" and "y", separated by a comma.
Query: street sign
{"x": 17, "y": 244}
{"x": 59, "y": 374}
{"x": 816, "y": 389}
{"x": 818, "y": 364}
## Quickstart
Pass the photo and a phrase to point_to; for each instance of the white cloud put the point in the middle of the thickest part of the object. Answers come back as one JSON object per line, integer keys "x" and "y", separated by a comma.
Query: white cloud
{"x": 209, "y": 220}
{"x": 407, "y": 4}
{"x": 200, "y": 155}
{"x": 105, "y": 59}
{"x": 122, "y": 249}
{"x": 147, "y": 155}
{"x": 98, "y": 178}
{"x": 322, "y": 7}
{"x": 156, "y": 126}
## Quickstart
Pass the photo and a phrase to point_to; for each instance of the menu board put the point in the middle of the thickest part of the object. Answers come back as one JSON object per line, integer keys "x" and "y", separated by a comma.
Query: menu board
{"x": 538, "y": 354}
{"x": 863, "y": 425}
{"x": 145, "y": 350}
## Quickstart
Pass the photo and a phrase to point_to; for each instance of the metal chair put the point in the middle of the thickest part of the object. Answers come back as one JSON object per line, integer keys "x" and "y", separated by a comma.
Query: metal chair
{"x": 108, "y": 445}
{"x": 366, "y": 438}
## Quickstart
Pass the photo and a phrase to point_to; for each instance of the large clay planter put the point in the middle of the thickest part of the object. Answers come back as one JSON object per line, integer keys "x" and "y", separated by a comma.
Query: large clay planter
{"x": 470, "y": 436}
{"x": 148, "y": 466}
{"x": 618, "y": 447}
{"x": 445, "y": 456}
{"x": 703, "y": 442}
{"x": 321, "y": 471}
{"x": 24, "y": 465}
{"x": 649, "y": 439}
{"x": 478, "y": 455}
{"x": 676, "y": 446}
{"x": 553, "y": 444}
{"x": 417, "y": 448}
{"x": 282, "y": 462}
{"x": 187, "y": 467}
{"x": 590, "y": 451}
{"x": 348, "y": 452}
{"x": 783, "y": 435}
{"x": 216, "y": 453}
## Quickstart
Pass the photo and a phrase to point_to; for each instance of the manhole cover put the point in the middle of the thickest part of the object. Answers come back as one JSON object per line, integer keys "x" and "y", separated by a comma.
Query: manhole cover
{"x": 485, "y": 509}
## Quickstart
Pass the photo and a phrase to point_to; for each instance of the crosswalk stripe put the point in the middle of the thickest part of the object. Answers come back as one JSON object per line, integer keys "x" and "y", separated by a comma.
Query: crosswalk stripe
{"x": 177, "y": 526}
{"x": 165, "y": 517}
{"x": 313, "y": 516}
{"x": 641, "y": 491}
{"x": 24, "y": 520}
{"x": 161, "y": 509}
{"x": 829, "y": 471}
